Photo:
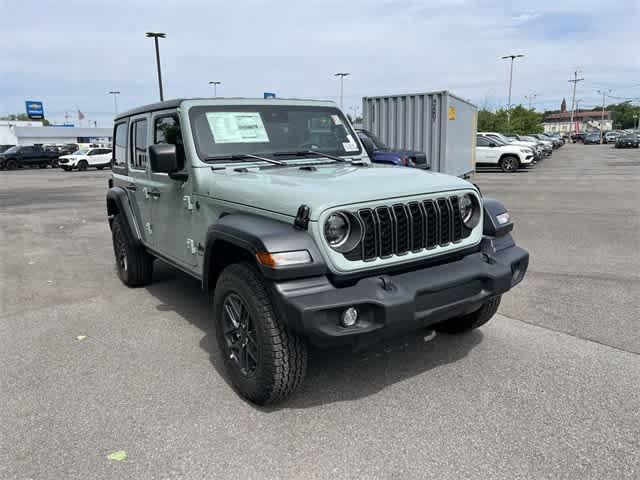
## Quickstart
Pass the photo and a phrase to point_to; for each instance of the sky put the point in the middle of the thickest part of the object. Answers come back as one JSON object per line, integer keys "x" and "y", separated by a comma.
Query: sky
{"x": 70, "y": 53}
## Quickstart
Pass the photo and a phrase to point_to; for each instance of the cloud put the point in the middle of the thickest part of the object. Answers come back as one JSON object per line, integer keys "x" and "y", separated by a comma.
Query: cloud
{"x": 86, "y": 48}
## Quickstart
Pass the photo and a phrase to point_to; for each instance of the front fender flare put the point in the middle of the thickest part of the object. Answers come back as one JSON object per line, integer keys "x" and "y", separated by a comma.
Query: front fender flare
{"x": 260, "y": 234}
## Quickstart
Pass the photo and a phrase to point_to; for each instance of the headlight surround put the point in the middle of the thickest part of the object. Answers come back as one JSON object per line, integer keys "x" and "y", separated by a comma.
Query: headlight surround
{"x": 342, "y": 231}
{"x": 469, "y": 210}
{"x": 336, "y": 229}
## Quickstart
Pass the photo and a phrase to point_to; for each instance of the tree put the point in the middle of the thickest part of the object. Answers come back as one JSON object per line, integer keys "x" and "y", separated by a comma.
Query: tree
{"x": 522, "y": 121}
{"x": 22, "y": 117}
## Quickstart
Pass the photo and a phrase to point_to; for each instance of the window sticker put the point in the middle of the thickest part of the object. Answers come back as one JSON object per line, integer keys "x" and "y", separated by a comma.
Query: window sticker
{"x": 351, "y": 145}
{"x": 336, "y": 120}
{"x": 237, "y": 127}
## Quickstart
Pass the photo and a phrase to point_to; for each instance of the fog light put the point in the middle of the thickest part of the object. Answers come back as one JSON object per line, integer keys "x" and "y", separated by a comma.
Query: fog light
{"x": 349, "y": 317}
{"x": 503, "y": 218}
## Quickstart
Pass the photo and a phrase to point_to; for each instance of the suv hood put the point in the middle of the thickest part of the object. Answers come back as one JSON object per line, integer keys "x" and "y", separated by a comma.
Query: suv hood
{"x": 283, "y": 189}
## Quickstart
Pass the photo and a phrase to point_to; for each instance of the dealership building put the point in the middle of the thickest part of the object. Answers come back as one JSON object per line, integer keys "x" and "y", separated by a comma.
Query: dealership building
{"x": 35, "y": 133}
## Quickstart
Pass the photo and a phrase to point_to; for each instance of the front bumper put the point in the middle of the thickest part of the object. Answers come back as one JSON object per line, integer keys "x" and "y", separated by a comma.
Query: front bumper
{"x": 389, "y": 305}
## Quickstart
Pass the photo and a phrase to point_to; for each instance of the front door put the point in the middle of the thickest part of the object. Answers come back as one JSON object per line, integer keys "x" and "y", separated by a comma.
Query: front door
{"x": 138, "y": 184}
{"x": 484, "y": 152}
{"x": 172, "y": 203}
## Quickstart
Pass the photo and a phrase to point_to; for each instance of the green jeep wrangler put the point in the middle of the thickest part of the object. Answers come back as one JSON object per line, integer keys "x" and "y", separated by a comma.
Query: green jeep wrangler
{"x": 274, "y": 206}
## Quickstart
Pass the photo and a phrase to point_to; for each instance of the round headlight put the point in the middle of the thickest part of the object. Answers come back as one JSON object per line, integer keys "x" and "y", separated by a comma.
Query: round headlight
{"x": 336, "y": 229}
{"x": 466, "y": 208}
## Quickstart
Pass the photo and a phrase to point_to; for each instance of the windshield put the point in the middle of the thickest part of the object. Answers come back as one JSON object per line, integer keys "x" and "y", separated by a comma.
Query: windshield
{"x": 500, "y": 138}
{"x": 11, "y": 150}
{"x": 499, "y": 141}
{"x": 529, "y": 139}
{"x": 82, "y": 151}
{"x": 269, "y": 129}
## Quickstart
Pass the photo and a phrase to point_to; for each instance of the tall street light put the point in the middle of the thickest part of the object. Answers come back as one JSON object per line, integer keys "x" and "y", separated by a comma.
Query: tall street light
{"x": 214, "y": 85}
{"x": 156, "y": 36}
{"x": 512, "y": 57}
{"x": 604, "y": 93}
{"x": 341, "y": 75}
{"x": 115, "y": 101}
{"x": 530, "y": 98}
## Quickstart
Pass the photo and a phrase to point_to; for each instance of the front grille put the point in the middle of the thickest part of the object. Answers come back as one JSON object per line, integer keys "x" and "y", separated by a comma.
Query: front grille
{"x": 63, "y": 160}
{"x": 412, "y": 227}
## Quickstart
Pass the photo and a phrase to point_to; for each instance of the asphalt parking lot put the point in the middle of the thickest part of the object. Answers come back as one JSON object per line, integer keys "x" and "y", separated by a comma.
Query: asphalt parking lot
{"x": 550, "y": 388}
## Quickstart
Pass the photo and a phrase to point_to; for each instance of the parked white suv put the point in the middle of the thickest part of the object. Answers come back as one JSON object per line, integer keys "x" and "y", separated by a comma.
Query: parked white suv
{"x": 85, "y": 158}
{"x": 509, "y": 157}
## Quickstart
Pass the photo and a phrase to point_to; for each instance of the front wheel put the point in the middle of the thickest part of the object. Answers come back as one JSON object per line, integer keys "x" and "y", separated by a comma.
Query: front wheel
{"x": 264, "y": 360}
{"x": 509, "y": 164}
{"x": 11, "y": 165}
{"x": 472, "y": 320}
{"x": 83, "y": 165}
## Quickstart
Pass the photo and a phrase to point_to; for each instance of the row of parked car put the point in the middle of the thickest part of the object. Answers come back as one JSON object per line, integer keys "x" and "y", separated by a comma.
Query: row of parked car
{"x": 68, "y": 156}
{"x": 620, "y": 138}
{"x": 511, "y": 152}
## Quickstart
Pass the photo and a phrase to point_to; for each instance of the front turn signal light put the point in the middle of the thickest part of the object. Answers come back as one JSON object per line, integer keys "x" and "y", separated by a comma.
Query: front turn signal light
{"x": 284, "y": 259}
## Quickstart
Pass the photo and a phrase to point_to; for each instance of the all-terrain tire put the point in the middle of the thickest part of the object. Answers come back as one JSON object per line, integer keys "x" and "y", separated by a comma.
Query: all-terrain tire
{"x": 281, "y": 363}
{"x": 133, "y": 264}
{"x": 472, "y": 320}
{"x": 509, "y": 163}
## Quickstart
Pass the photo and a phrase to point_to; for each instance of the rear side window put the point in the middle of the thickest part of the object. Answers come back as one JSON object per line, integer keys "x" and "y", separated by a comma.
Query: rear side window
{"x": 139, "y": 145}
{"x": 120, "y": 146}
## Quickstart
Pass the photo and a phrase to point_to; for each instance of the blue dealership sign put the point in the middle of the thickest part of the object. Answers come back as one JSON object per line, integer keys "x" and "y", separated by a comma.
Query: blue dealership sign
{"x": 269, "y": 95}
{"x": 35, "y": 110}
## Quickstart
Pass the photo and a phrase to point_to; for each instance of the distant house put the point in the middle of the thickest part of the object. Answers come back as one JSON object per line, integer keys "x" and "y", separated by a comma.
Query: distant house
{"x": 560, "y": 122}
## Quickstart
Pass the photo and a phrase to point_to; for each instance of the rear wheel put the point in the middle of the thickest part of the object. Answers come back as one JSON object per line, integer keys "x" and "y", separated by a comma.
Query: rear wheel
{"x": 100, "y": 168}
{"x": 264, "y": 360}
{"x": 66, "y": 169}
{"x": 83, "y": 165}
{"x": 43, "y": 165}
{"x": 133, "y": 264}
{"x": 11, "y": 165}
{"x": 509, "y": 163}
{"x": 472, "y": 320}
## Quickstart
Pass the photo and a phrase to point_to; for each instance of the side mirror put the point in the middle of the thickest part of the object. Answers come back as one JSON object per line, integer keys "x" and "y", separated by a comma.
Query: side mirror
{"x": 164, "y": 159}
{"x": 368, "y": 146}
{"x": 492, "y": 145}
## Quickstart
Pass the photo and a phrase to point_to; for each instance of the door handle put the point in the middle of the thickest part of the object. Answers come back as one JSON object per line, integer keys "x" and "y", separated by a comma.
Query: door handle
{"x": 155, "y": 194}
{"x": 132, "y": 187}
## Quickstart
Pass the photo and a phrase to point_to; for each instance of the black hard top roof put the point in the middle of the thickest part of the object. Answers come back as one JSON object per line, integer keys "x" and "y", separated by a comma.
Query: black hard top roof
{"x": 152, "y": 107}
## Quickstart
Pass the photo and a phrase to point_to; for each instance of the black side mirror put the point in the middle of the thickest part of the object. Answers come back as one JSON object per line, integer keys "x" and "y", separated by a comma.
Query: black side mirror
{"x": 164, "y": 159}
{"x": 368, "y": 145}
{"x": 492, "y": 145}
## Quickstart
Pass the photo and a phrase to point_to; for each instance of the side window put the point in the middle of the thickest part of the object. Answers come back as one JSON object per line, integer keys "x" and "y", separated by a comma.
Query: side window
{"x": 167, "y": 130}
{"x": 482, "y": 142}
{"x": 120, "y": 146}
{"x": 139, "y": 145}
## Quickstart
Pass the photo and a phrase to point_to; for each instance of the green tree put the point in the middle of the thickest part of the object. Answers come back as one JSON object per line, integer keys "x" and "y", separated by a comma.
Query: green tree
{"x": 522, "y": 121}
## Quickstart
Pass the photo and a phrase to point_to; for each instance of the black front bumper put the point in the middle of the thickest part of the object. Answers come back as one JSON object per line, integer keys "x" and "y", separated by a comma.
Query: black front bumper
{"x": 389, "y": 305}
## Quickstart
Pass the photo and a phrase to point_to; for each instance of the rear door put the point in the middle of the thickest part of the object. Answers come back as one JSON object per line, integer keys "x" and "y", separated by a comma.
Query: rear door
{"x": 137, "y": 184}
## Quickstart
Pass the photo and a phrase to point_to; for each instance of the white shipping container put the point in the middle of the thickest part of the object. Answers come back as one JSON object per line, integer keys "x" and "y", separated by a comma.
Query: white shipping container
{"x": 438, "y": 123}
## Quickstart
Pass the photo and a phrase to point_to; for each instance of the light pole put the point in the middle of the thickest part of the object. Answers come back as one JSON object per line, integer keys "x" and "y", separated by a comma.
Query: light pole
{"x": 637, "y": 119}
{"x": 604, "y": 94}
{"x": 341, "y": 75}
{"x": 156, "y": 36}
{"x": 512, "y": 57}
{"x": 115, "y": 94}
{"x": 530, "y": 98}
{"x": 214, "y": 85}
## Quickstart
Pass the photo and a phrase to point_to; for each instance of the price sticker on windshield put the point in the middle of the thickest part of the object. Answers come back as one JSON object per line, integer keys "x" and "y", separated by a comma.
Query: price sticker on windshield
{"x": 237, "y": 127}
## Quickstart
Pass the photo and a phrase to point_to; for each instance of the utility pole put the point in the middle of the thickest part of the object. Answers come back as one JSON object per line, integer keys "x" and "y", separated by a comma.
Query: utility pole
{"x": 156, "y": 36}
{"x": 575, "y": 81}
{"x": 215, "y": 90}
{"x": 512, "y": 57}
{"x": 604, "y": 94}
{"x": 530, "y": 98}
{"x": 115, "y": 101}
{"x": 341, "y": 75}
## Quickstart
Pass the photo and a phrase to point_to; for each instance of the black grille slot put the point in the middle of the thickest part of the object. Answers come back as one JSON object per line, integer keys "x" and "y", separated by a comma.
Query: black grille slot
{"x": 417, "y": 226}
{"x": 432, "y": 222}
{"x": 410, "y": 227}
{"x": 369, "y": 250}
{"x": 457, "y": 219}
{"x": 445, "y": 221}
{"x": 385, "y": 231}
{"x": 401, "y": 219}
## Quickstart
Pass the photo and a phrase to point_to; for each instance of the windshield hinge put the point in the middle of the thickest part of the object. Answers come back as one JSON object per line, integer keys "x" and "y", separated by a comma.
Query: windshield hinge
{"x": 301, "y": 222}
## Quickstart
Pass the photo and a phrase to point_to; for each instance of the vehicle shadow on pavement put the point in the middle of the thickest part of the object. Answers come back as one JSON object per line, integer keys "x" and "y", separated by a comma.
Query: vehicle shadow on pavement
{"x": 333, "y": 375}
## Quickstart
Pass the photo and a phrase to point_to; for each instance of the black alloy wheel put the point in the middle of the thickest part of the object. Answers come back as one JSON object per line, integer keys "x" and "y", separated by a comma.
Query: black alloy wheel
{"x": 240, "y": 335}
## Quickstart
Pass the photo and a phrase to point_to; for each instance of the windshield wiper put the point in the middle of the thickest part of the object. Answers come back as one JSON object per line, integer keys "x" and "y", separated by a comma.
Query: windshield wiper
{"x": 306, "y": 153}
{"x": 244, "y": 156}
